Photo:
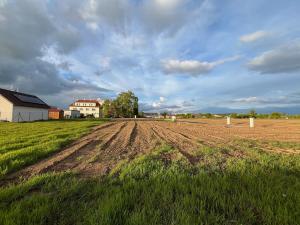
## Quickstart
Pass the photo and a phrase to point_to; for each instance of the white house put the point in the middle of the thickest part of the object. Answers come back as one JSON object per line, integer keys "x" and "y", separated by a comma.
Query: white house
{"x": 88, "y": 107}
{"x": 20, "y": 107}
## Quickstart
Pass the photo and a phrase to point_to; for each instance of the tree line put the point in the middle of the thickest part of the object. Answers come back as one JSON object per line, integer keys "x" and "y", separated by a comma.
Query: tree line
{"x": 250, "y": 114}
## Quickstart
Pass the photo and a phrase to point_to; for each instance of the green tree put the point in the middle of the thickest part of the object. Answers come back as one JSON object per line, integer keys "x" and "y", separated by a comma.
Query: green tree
{"x": 126, "y": 105}
{"x": 106, "y": 109}
{"x": 164, "y": 114}
{"x": 234, "y": 115}
{"x": 275, "y": 115}
{"x": 252, "y": 113}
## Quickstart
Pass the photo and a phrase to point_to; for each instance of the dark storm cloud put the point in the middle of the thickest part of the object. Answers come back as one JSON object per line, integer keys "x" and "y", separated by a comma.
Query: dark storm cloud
{"x": 26, "y": 29}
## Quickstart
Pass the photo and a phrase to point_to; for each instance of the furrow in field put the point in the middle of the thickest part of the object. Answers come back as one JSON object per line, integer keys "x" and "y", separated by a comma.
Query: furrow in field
{"x": 84, "y": 154}
{"x": 47, "y": 164}
{"x": 146, "y": 139}
{"x": 183, "y": 144}
{"x": 114, "y": 148}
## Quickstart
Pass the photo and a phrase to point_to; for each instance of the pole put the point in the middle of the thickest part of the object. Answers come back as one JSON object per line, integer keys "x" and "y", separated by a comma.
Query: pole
{"x": 251, "y": 122}
{"x": 228, "y": 120}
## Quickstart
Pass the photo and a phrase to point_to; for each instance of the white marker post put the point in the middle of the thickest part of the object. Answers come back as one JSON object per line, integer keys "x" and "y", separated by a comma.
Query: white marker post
{"x": 174, "y": 118}
{"x": 228, "y": 120}
{"x": 134, "y": 116}
{"x": 251, "y": 122}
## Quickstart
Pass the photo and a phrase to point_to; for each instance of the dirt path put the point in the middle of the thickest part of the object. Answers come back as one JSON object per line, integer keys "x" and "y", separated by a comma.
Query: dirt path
{"x": 98, "y": 152}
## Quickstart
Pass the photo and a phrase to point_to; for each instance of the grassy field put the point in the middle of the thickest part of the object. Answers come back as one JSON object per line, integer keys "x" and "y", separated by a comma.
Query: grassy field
{"x": 252, "y": 187}
{"x": 22, "y": 144}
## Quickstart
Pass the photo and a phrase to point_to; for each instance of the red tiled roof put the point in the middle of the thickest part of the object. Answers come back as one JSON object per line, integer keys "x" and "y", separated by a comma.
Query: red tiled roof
{"x": 88, "y": 101}
{"x": 85, "y": 101}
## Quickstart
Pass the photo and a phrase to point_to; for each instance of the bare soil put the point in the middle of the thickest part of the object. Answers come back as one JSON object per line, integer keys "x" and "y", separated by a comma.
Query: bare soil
{"x": 98, "y": 152}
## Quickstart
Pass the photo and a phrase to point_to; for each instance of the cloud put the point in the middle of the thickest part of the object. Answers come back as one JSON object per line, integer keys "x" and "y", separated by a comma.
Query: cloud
{"x": 246, "y": 100}
{"x": 28, "y": 33}
{"x": 164, "y": 104}
{"x": 254, "y": 36}
{"x": 164, "y": 15}
{"x": 192, "y": 67}
{"x": 285, "y": 59}
{"x": 159, "y": 103}
{"x": 290, "y": 99}
{"x": 111, "y": 12}
{"x": 151, "y": 16}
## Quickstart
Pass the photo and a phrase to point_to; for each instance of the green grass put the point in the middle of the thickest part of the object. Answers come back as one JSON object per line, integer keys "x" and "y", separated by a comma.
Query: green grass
{"x": 164, "y": 188}
{"x": 23, "y": 144}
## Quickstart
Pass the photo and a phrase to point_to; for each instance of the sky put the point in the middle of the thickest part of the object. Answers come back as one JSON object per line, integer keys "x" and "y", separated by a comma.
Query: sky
{"x": 176, "y": 55}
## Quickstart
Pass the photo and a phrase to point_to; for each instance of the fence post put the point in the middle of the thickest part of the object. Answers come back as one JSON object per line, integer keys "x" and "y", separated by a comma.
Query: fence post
{"x": 251, "y": 122}
{"x": 228, "y": 120}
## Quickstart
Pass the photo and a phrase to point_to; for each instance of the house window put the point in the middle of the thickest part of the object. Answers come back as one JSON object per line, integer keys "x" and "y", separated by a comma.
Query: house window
{"x": 93, "y": 109}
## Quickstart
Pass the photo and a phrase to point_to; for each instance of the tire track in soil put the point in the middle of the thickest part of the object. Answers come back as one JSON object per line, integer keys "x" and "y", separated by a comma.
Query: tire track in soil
{"x": 178, "y": 141}
{"x": 45, "y": 165}
{"x": 147, "y": 140}
{"x": 82, "y": 156}
{"x": 136, "y": 138}
{"x": 204, "y": 135}
{"x": 218, "y": 142}
{"x": 96, "y": 153}
{"x": 113, "y": 149}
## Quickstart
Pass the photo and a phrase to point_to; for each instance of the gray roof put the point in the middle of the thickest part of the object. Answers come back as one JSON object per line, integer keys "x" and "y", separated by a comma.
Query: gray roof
{"x": 22, "y": 99}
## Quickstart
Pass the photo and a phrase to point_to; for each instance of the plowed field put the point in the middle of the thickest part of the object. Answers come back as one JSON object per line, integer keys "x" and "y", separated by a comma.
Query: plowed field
{"x": 98, "y": 152}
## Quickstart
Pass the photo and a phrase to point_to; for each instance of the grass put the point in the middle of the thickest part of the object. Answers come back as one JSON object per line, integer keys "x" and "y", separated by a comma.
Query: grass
{"x": 23, "y": 144}
{"x": 164, "y": 188}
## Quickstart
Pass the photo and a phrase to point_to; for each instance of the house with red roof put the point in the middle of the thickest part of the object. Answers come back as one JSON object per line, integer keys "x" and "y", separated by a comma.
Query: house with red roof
{"x": 88, "y": 107}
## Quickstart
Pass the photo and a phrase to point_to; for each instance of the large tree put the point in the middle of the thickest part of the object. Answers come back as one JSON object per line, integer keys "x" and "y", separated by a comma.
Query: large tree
{"x": 125, "y": 105}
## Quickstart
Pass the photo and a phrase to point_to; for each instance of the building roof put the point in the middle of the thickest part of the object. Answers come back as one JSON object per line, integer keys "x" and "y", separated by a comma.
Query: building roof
{"x": 86, "y": 101}
{"x": 55, "y": 110}
{"x": 22, "y": 99}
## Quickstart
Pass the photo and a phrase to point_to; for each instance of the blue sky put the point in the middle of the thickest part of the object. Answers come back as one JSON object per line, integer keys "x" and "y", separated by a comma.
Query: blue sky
{"x": 175, "y": 55}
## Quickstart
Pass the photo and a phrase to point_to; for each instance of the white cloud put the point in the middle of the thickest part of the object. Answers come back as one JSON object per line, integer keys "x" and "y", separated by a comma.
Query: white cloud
{"x": 111, "y": 12}
{"x": 192, "y": 67}
{"x": 168, "y": 4}
{"x": 92, "y": 25}
{"x": 285, "y": 59}
{"x": 159, "y": 103}
{"x": 105, "y": 62}
{"x": 3, "y": 3}
{"x": 246, "y": 100}
{"x": 254, "y": 36}
{"x": 290, "y": 99}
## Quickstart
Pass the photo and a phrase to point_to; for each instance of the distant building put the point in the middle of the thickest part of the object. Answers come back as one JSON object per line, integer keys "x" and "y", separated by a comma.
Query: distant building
{"x": 55, "y": 114}
{"x": 21, "y": 107}
{"x": 152, "y": 115}
{"x": 88, "y": 107}
{"x": 71, "y": 114}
